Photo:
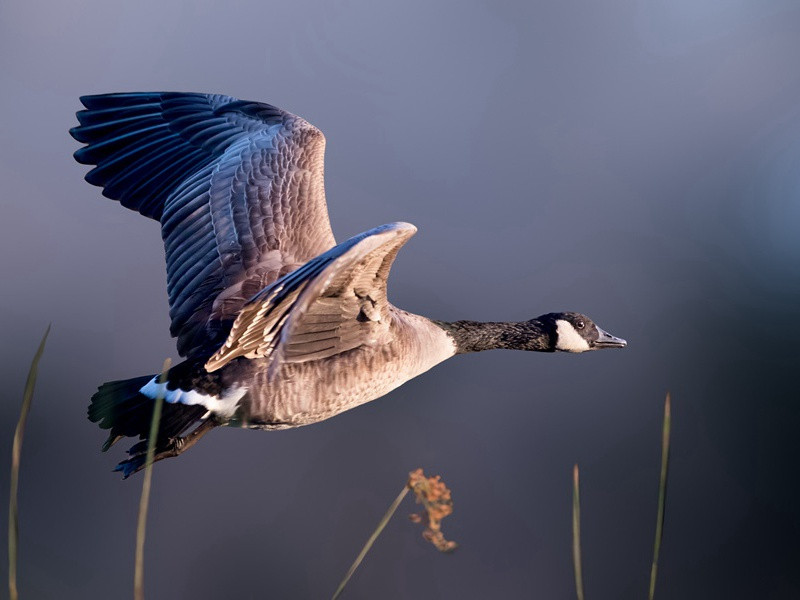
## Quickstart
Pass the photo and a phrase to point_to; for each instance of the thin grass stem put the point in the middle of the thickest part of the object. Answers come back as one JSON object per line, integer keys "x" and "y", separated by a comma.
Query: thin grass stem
{"x": 370, "y": 541}
{"x": 16, "y": 451}
{"x": 662, "y": 494}
{"x": 138, "y": 575}
{"x": 576, "y": 533}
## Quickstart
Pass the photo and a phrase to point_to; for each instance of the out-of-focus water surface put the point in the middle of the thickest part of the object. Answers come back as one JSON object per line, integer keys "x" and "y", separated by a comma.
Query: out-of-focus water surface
{"x": 637, "y": 161}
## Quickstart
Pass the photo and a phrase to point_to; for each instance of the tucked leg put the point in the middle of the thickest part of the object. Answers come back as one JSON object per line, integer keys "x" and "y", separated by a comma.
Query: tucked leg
{"x": 173, "y": 447}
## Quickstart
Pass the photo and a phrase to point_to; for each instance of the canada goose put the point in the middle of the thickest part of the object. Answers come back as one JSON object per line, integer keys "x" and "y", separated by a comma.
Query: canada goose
{"x": 279, "y": 325}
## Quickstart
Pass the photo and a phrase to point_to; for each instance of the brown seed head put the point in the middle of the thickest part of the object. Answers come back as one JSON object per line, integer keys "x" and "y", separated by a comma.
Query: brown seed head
{"x": 433, "y": 494}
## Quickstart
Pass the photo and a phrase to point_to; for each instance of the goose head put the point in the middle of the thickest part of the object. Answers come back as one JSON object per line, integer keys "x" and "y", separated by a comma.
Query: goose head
{"x": 574, "y": 332}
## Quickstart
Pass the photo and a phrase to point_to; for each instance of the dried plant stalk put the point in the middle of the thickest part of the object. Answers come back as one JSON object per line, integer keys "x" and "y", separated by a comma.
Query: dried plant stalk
{"x": 138, "y": 572}
{"x": 662, "y": 493}
{"x": 435, "y": 496}
{"x": 576, "y": 532}
{"x": 371, "y": 540}
{"x": 16, "y": 451}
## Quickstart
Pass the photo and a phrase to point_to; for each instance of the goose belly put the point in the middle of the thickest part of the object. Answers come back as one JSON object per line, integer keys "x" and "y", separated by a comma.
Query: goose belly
{"x": 308, "y": 392}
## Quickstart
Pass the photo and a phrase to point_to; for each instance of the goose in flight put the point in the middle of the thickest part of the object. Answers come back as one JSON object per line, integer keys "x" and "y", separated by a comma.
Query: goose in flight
{"x": 279, "y": 325}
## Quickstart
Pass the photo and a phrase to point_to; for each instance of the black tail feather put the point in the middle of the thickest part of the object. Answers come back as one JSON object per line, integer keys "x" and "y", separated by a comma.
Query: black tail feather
{"x": 120, "y": 407}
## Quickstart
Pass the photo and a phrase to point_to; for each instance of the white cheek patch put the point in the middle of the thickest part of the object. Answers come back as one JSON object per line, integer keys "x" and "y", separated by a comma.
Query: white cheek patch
{"x": 568, "y": 339}
{"x": 224, "y": 406}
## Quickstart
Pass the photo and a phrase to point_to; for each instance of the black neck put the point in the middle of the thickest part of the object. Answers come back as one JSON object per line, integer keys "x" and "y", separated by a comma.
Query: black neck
{"x": 474, "y": 336}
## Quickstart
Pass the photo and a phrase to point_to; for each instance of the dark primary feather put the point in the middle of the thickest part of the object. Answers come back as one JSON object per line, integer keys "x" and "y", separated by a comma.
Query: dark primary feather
{"x": 237, "y": 186}
{"x": 141, "y": 144}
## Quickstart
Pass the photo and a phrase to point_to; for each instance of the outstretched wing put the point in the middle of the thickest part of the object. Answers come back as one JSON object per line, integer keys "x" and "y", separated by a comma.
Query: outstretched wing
{"x": 333, "y": 303}
{"x": 237, "y": 186}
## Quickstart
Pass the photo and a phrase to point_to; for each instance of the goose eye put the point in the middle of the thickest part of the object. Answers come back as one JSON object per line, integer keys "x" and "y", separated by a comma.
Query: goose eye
{"x": 580, "y": 324}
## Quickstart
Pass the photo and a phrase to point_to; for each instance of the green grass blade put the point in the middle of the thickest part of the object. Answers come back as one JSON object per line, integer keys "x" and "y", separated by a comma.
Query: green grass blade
{"x": 370, "y": 541}
{"x": 16, "y": 450}
{"x": 662, "y": 494}
{"x": 576, "y": 533}
{"x": 138, "y": 575}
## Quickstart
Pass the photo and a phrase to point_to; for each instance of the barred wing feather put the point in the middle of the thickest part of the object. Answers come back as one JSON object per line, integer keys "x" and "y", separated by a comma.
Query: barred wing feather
{"x": 237, "y": 187}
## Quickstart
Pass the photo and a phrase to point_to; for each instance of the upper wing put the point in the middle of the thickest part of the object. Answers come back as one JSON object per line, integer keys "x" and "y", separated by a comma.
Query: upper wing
{"x": 237, "y": 186}
{"x": 333, "y": 303}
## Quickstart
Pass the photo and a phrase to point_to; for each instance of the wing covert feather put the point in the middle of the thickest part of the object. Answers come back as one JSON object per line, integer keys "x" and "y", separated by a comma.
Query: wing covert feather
{"x": 333, "y": 303}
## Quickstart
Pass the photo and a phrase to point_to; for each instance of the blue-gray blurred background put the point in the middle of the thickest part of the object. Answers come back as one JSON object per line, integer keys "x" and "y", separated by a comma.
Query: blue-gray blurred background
{"x": 638, "y": 161}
